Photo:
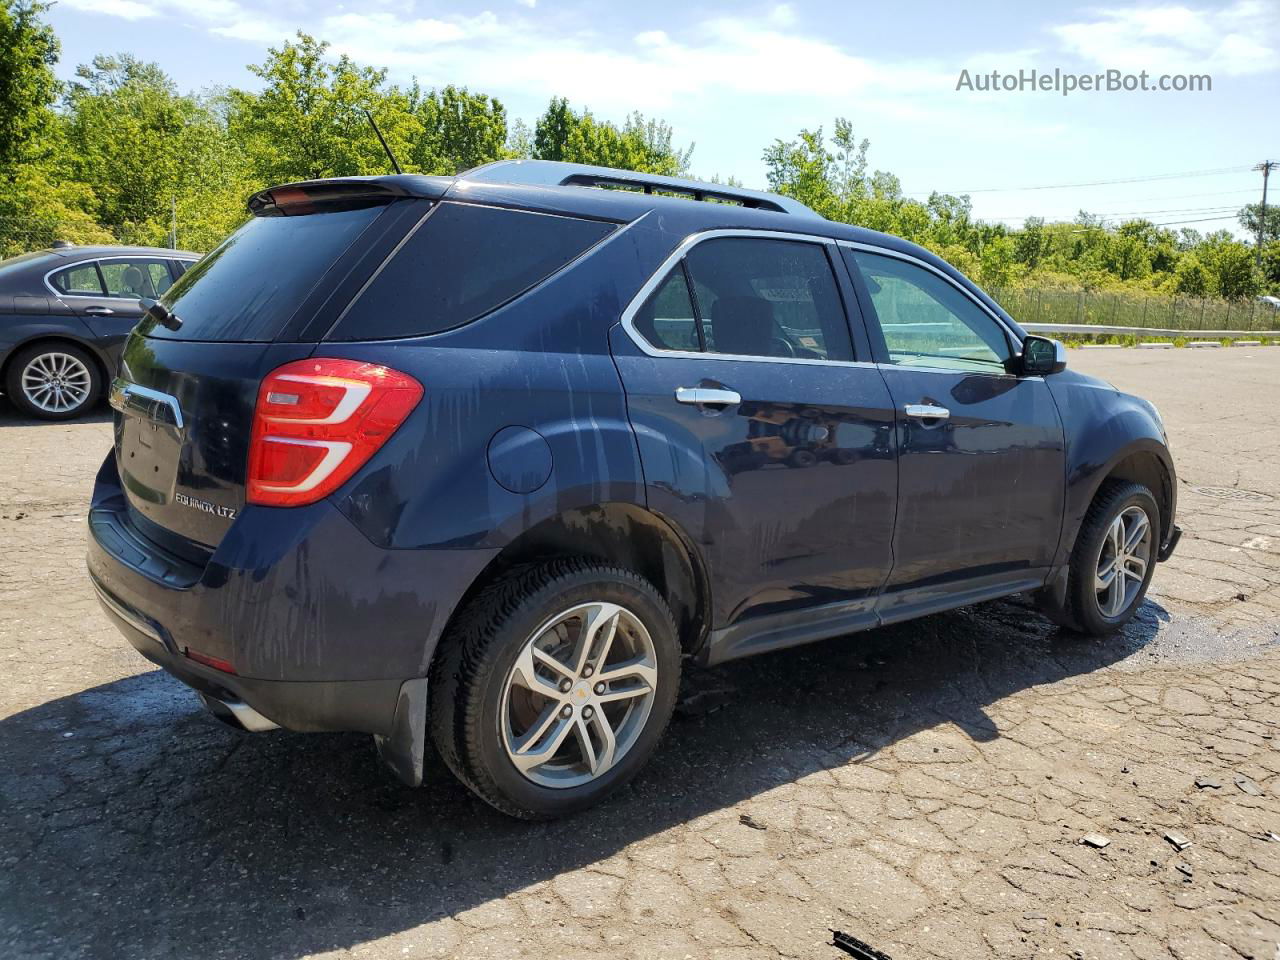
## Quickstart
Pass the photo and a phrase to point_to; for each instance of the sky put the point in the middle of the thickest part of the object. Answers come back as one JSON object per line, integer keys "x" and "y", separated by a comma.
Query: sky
{"x": 733, "y": 77}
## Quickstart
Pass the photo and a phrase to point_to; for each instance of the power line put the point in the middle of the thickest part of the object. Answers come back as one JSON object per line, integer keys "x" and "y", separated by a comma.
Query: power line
{"x": 1174, "y": 223}
{"x": 1220, "y": 208}
{"x": 1215, "y": 172}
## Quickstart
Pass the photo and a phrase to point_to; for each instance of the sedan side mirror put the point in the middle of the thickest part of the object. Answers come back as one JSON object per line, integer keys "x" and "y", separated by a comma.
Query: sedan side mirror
{"x": 1043, "y": 356}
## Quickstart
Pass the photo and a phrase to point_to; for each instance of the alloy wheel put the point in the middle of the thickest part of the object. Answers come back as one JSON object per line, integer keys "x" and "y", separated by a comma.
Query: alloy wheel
{"x": 56, "y": 382}
{"x": 1122, "y": 562}
{"x": 579, "y": 695}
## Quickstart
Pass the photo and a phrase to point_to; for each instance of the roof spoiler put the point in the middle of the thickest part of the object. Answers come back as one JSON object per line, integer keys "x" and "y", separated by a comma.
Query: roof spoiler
{"x": 554, "y": 173}
{"x": 313, "y": 196}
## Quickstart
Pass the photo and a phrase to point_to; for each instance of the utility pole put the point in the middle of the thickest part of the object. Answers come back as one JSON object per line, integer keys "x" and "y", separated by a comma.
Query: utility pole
{"x": 173, "y": 222}
{"x": 1266, "y": 166}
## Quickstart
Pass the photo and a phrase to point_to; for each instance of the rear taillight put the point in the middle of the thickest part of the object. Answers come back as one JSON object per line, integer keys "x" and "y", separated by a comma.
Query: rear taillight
{"x": 317, "y": 422}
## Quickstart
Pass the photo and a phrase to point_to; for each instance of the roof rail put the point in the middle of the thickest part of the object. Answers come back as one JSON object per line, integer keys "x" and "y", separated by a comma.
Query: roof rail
{"x": 555, "y": 173}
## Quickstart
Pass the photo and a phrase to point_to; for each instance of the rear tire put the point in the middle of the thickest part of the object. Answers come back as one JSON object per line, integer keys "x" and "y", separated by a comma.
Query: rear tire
{"x": 1113, "y": 559}
{"x": 53, "y": 381}
{"x": 532, "y": 709}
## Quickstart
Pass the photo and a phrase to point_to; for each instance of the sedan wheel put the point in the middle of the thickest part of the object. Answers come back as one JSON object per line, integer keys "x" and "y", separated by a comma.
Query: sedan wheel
{"x": 53, "y": 381}
{"x": 56, "y": 382}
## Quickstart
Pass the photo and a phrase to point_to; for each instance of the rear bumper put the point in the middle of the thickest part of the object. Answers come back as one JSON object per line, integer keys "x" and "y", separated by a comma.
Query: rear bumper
{"x": 367, "y": 706}
{"x": 322, "y": 628}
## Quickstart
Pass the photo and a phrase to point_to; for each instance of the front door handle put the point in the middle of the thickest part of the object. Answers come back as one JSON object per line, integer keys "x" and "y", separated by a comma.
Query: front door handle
{"x": 708, "y": 396}
{"x": 926, "y": 411}
{"x": 99, "y": 311}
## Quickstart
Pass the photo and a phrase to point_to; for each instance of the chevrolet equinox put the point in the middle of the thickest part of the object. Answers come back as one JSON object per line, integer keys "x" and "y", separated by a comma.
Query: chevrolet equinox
{"x": 484, "y": 460}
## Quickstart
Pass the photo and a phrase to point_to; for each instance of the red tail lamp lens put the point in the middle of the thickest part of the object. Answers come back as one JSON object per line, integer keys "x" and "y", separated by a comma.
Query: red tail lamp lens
{"x": 317, "y": 422}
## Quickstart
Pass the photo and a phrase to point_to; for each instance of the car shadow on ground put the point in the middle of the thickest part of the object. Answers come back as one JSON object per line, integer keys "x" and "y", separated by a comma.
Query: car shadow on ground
{"x": 11, "y": 416}
{"x": 136, "y": 825}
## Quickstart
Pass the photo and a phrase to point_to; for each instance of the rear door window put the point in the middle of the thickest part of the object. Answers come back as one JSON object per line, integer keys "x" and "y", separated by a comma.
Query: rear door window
{"x": 461, "y": 262}
{"x": 78, "y": 281}
{"x": 768, "y": 298}
{"x": 135, "y": 278}
{"x": 249, "y": 287}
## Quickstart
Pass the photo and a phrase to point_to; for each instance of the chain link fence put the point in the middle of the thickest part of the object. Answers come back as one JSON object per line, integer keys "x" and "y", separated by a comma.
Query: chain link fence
{"x": 1136, "y": 310}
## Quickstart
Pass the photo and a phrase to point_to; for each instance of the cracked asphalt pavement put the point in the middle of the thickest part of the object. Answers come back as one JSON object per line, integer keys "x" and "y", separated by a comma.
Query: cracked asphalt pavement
{"x": 924, "y": 788}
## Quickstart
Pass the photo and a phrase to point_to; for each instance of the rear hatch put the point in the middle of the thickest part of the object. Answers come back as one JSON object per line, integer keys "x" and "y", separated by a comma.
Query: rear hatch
{"x": 190, "y": 373}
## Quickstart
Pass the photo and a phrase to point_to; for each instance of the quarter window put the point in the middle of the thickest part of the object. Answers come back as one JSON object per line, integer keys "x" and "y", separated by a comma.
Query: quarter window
{"x": 78, "y": 281}
{"x": 926, "y": 320}
{"x": 751, "y": 297}
{"x": 667, "y": 319}
{"x": 463, "y": 262}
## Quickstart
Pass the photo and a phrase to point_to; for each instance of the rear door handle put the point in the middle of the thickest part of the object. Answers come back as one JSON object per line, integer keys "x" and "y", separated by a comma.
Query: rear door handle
{"x": 708, "y": 396}
{"x": 99, "y": 311}
{"x": 926, "y": 411}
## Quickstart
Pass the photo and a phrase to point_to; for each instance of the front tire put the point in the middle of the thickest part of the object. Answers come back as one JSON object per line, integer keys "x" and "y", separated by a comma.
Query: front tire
{"x": 554, "y": 686}
{"x": 53, "y": 381}
{"x": 1113, "y": 559}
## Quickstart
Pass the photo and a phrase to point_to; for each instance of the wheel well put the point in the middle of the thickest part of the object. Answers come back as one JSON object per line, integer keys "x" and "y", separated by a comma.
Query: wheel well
{"x": 622, "y": 534}
{"x": 1145, "y": 468}
{"x": 53, "y": 338}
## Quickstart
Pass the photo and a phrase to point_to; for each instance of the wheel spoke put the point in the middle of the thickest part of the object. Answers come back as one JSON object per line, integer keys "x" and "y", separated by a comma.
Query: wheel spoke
{"x": 599, "y": 625}
{"x": 604, "y": 756}
{"x": 583, "y": 736}
{"x": 1135, "y": 567}
{"x": 526, "y": 758}
{"x": 1102, "y": 579}
{"x": 1117, "y": 537}
{"x": 640, "y": 668}
{"x": 1114, "y": 597}
{"x": 526, "y": 675}
{"x": 1136, "y": 533}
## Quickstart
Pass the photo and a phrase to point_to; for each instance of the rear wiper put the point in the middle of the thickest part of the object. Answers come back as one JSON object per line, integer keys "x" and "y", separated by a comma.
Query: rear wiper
{"x": 162, "y": 314}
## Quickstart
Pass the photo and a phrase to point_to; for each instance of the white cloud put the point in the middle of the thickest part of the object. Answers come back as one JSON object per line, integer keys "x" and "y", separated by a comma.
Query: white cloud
{"x": 125, "y": 9}
{"x": 528, "y": 3}
{"x": 1242, "y": 38}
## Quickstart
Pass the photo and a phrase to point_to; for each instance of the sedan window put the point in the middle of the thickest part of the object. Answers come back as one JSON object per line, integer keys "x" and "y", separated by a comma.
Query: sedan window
{"x": 135, "y": 278}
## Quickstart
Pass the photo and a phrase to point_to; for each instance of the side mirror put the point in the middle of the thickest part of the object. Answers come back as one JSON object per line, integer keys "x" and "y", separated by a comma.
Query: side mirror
{"x": 1043, "y": 356}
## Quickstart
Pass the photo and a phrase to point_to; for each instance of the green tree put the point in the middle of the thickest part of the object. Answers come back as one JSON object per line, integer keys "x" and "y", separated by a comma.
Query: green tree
{"x": 38, "y": 208}
{"x": 308, "y": 120}
{"x": 28, "y": 88}
{"x": 1230, "y": 267}
{"x": 1251, "y": 216}
{"x": 146, "y": 150}
{"x": 644, "y": 145}
{"x": 1191, "y": 278}
{"x": 460, "y": 129}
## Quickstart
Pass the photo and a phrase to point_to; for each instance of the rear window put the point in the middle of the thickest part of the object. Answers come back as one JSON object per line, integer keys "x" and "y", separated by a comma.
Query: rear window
{"x": 249, "y": 287}
{"x": 461, "y": 262}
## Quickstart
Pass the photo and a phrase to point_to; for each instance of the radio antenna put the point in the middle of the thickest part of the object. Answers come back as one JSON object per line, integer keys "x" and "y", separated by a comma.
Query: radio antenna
{"x": 382, "y": 140}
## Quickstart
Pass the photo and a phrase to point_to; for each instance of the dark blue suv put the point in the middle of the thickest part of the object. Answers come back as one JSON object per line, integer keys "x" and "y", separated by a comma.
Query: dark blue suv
{"x": 484, "y": 460}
